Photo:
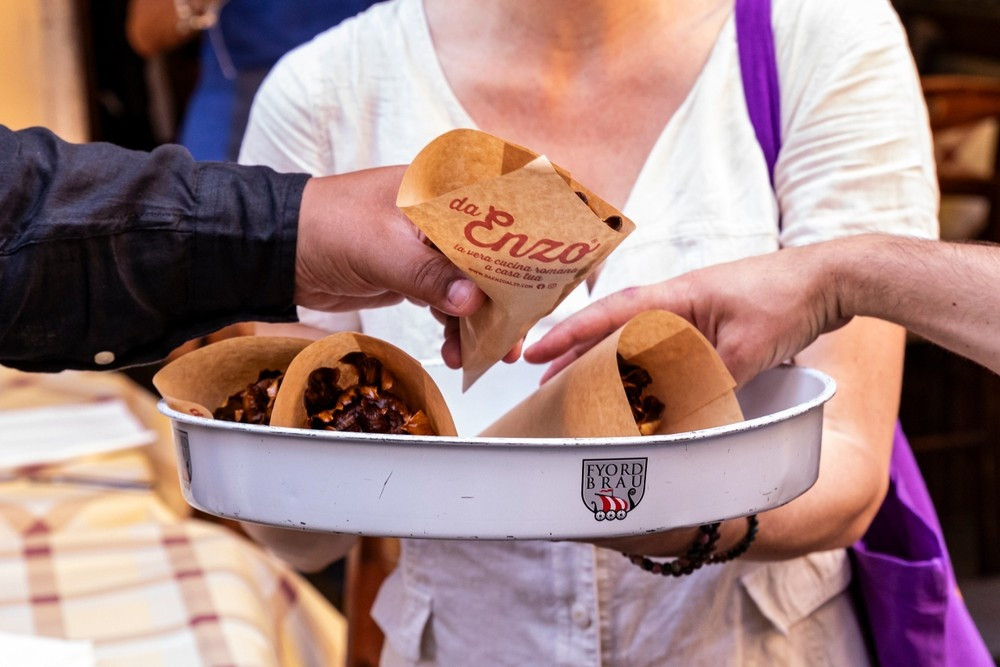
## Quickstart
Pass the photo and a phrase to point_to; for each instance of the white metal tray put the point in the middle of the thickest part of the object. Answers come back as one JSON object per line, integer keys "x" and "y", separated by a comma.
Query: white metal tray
{"x": 494, "y": 488}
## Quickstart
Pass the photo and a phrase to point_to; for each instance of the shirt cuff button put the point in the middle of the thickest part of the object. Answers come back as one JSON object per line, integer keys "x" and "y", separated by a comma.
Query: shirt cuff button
{"x": 104, "y": 358}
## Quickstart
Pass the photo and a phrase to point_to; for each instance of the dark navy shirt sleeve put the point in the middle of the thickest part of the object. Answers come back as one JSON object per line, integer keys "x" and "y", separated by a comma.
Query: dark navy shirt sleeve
{"x": 111, "y": 257}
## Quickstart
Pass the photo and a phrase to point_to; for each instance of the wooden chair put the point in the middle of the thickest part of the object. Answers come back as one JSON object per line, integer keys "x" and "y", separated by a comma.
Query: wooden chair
{"x": 962, "y": 101}
{"x": 951, "y": 407}
{"x": 368, "y": 564}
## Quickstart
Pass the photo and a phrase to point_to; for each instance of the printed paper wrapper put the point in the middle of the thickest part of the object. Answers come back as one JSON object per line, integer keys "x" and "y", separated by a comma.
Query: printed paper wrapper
{"x": 513, "y": 221}
{"x": 202, "y": 380}
{"x": 412, "y": 383}
{"x": 587, "y": 399}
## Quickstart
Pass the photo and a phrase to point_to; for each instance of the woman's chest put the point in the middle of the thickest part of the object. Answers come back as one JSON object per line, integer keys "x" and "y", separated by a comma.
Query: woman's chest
{"x": 689, "y": 172}
{"x": 604, "y": 149}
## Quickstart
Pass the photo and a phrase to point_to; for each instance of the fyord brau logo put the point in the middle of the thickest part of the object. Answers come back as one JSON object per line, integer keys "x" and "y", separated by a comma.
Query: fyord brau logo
{"x": 611, "y": 488}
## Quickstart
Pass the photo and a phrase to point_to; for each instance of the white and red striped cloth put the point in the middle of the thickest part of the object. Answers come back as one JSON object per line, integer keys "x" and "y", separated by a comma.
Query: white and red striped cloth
{"x": 90, "y": 549}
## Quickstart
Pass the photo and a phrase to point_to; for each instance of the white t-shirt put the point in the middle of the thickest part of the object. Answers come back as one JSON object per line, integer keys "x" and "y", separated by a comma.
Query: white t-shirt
{"x": 856, "y": 157}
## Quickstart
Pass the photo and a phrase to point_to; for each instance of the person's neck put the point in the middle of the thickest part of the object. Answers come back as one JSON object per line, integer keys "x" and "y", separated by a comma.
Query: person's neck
{"x": 577, "y": 30}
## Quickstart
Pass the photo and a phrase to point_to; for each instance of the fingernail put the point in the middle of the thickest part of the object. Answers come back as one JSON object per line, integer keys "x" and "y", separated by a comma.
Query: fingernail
{"x": 459, "y": 292}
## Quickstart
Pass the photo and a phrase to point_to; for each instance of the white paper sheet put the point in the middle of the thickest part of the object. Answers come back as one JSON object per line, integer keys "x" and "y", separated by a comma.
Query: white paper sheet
{"x": 46, "y": 435}
{"x": 28, "y": 651}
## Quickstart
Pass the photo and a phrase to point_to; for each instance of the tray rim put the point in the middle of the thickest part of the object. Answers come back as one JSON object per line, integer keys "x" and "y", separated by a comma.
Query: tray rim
{"x": 829, "y": 388}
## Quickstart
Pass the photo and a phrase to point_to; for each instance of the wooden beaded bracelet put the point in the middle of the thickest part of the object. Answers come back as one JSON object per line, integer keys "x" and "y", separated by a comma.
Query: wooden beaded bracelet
{"x": 695, "y": 557}
{"x": 700, "y": 553}
{"x": 741, "y": 546}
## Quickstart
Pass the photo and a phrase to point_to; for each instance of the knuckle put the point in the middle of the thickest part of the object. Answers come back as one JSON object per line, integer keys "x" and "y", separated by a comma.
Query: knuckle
{"x": 431, "y": 277}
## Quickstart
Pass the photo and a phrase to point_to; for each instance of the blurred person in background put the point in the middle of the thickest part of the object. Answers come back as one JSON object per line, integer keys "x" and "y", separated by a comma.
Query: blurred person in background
{"x": 241, "y": 41}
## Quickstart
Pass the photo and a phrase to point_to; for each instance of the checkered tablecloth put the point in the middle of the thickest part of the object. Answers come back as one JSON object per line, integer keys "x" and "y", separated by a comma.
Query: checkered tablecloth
{"x": 103, "y": 549}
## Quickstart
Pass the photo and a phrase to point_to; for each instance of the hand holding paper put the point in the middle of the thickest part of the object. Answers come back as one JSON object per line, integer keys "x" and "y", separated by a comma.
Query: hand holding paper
{"x": 522, "y": 229}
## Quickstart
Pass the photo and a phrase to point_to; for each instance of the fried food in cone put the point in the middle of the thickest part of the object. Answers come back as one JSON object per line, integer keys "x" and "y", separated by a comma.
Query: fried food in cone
{"x": 202, "y": 381}
{"x": 352, "y": 382}
{"x": 596, "y": 396}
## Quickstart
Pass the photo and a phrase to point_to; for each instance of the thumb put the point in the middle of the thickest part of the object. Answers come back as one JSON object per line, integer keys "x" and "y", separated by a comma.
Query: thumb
{"x": 426, "y": 275}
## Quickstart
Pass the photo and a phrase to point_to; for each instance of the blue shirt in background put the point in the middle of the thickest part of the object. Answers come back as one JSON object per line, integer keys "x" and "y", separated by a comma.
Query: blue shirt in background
{"x": 237, "y": 54}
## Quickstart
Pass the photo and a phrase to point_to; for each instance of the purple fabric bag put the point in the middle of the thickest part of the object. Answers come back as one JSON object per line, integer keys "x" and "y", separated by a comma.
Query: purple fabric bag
{"x": 908, "y": 593}
{"x": 915, "y": 610}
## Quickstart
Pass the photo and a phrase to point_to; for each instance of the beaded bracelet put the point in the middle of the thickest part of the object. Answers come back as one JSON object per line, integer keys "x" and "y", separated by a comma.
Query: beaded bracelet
{"x": 700, "y": 552}
{"x": 694, "y": 558}
{"x": 741, "y": 546}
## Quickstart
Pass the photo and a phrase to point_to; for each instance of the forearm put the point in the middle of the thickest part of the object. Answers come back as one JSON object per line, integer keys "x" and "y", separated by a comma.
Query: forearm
{"x": 945, "y": 292}
{"x": 865, "y": 359}
{"x": 108, "y": 250}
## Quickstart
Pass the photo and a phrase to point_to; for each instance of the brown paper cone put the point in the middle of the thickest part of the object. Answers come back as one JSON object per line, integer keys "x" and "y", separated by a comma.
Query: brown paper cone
{"x": 514, "y": 223}
{"x": 587, "y": 399}
{"x": 202, "y": 380}
{"x": 412, "y": 383}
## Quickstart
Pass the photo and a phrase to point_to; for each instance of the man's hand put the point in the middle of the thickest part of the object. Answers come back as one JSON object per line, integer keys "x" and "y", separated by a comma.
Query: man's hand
{"x": 451, "y": 349}
{"x": 357, "y": 250}
{"x": 757, "y": 312}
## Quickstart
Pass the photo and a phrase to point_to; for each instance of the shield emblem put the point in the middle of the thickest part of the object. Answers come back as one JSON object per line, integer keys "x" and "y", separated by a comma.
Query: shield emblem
{"x": 611, "y": 488}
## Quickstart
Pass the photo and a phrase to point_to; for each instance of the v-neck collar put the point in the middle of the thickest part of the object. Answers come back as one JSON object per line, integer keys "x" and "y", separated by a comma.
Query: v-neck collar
{"x": 463, "y": 118}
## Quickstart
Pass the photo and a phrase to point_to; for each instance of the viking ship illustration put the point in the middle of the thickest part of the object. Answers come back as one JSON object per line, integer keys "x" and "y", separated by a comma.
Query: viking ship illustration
{"x": 612, "y": 507}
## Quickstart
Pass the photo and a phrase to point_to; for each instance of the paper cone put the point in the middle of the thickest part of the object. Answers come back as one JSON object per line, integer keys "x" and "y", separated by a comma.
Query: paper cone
{"x": 515, "y": 224}
{"x": 587, "y": 399}
{"x": 412, "y": 383}
{"x": 202, "y": 380}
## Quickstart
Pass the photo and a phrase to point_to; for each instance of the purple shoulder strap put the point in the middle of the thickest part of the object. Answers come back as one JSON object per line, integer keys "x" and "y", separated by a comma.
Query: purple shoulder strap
{"x": 759, "y": 69}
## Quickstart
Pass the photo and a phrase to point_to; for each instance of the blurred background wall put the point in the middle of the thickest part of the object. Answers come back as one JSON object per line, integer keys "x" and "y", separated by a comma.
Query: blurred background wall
{"x": 66, "y": 65}
{"x": 42, "y": 67}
